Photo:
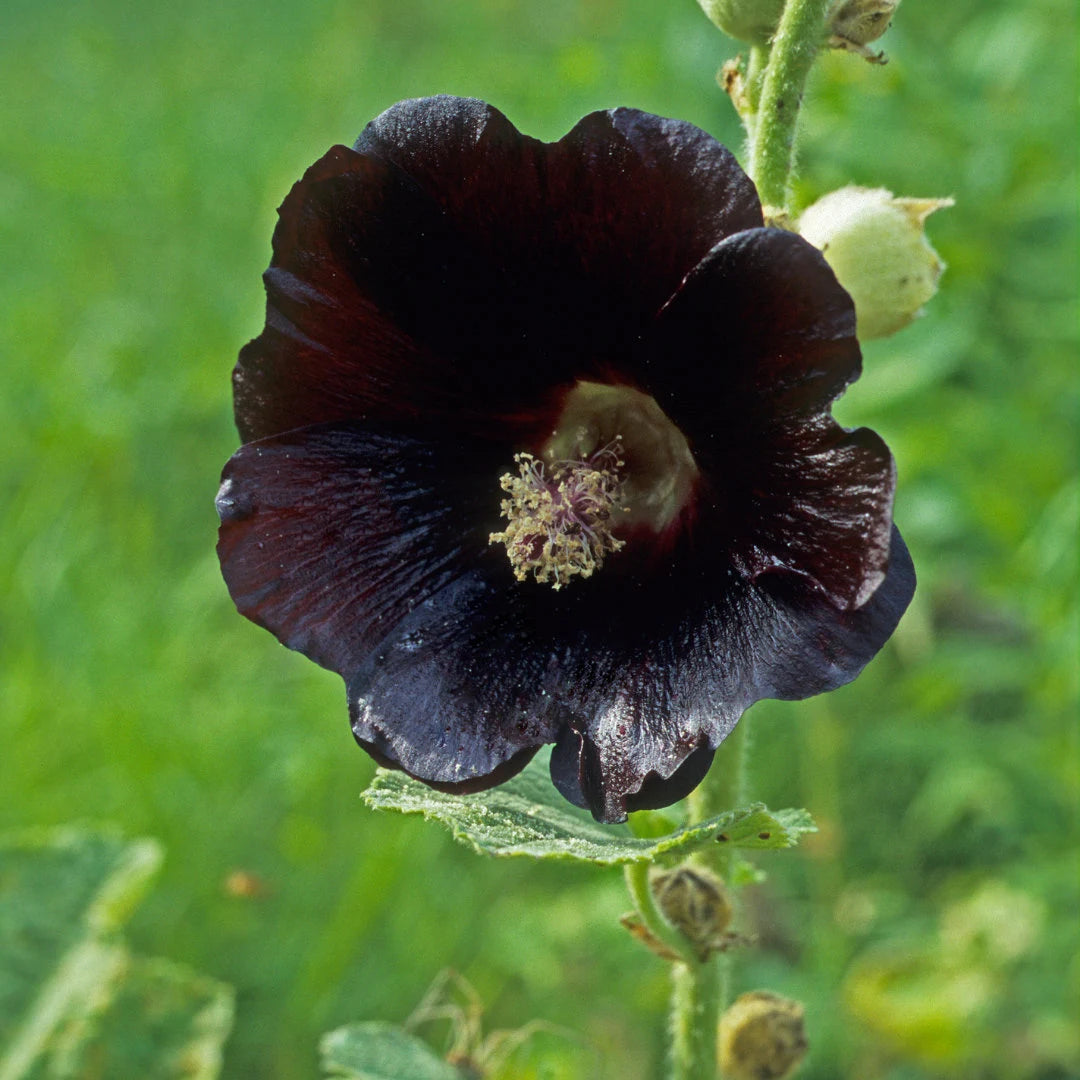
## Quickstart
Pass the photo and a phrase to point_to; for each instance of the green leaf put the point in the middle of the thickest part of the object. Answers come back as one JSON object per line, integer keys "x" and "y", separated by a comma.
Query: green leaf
{"x": 744, "y": 873}
{"x": 380, "y": 1051}
{"x": 62, "y": 892}
{"x": 527, "y": 816}
{"x": 73, "y": 1002}
{"x": 760, "y": 828}
{"x": 157, "y": 1020}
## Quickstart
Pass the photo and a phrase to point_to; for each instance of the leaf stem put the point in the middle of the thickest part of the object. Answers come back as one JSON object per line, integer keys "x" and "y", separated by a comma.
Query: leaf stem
{"x": 798, "y": 40}
{"x": 637, "y": 881}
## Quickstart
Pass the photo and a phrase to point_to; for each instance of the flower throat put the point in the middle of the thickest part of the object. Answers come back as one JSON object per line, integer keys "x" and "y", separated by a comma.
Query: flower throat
{"x": 615, "y": 462}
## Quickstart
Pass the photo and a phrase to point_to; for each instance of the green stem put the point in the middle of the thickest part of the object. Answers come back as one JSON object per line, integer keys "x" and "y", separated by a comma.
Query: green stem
{"x": 695, "y": 1002}
{"x": 637, "y": 881}
{"x": 695, "y": 1016}
{"x": 725, "y": 786}
{"x": 702, "y": 990}
{"x": 755, "y": 76}
{"x": 798, "y": 40}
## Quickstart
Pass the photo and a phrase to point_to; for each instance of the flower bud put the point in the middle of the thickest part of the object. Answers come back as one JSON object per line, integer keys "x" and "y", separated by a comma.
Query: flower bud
{"x": 853, "y": 24}
{"x": 745, "y": 20}
{"x": 877, "y": 248}
{"x": 762, "y": 1037}
{"x": 696, "y": 903}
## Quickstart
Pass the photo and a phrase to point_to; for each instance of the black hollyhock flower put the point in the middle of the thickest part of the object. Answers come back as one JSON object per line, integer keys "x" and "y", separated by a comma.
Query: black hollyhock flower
{"x": 537, "y": 449}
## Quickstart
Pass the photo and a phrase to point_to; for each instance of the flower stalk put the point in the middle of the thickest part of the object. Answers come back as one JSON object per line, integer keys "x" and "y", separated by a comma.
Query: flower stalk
{"x": 799, "y": 39}
{"x": 702, "y": 991}
{"x": 695, "y": 1017}
{"x": 774, "y": 82}
{"x": 696, "y": 986}
{"x": 756, "y": 67}
{"x": 652, "y": 918}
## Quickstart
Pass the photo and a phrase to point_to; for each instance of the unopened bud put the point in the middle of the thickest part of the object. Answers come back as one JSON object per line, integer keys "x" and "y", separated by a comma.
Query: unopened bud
{"x": 762, "y": 1037}
{"x": 853, "y": 24}
{"x": 876, "y": 246}
{"x": 754, "y": 21}
{"x": 697, "y": 905}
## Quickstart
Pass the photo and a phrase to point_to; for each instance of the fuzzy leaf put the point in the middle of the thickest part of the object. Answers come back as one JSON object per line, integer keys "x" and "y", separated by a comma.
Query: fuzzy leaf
{"x": 62, "y": 892}
{"x": 527, "y": 816}
{"x": 380, "y": 1051}
{"x": 156, "y": 1020}
{"x": 73, "y": 1002}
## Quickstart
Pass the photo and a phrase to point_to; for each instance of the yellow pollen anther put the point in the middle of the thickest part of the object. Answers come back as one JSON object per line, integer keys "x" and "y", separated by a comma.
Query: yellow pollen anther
{"x": 559, "y": 515}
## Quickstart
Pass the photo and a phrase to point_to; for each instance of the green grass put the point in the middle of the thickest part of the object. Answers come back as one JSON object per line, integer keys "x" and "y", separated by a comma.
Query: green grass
{"x": 143, "y": 149}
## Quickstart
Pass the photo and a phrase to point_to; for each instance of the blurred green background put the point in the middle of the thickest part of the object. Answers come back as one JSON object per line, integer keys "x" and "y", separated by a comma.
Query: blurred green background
{"x": 931, "y": 927}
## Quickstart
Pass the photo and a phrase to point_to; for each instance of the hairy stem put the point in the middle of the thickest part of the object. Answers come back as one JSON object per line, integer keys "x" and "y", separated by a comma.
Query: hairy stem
{"x": 695, "y": 1001}
{"x": 725, "y": 786}
{"x": 695, "y": 1016}
{"x": 755, "y": 76}
{"x": 798, "y": 40}
{"x": 637, "y": 881}
{"x": 701, "y": 990}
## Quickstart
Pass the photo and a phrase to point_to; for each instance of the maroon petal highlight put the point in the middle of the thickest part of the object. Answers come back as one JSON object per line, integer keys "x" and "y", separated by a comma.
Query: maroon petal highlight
{"x": 822, "y": 507}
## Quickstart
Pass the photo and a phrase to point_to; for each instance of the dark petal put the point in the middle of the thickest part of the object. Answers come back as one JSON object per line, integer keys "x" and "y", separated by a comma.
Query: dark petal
{"x": 658, "y": 791}
{"x": 760, "y": 329}
{"x": 453, "y": 269}
{"x": 626, "y": 201}
{"x": 330, "y": 535}
{"x": 499, "y": 775}
{"x": 817, "y": 501}
{"x": 353, "y": 263}
{"x": 380, "y": 308}
{"x": 810, "y": 647}
{"x": 636, "y": 686}
{"x": 453, "y": 694}
{"x": 638, "y": 713}
{"x": 576, "y": 773}
{"x": 786, "y": 487}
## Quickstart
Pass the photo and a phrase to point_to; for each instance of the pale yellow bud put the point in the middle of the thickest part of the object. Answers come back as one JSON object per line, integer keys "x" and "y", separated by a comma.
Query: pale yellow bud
{"x": 853, "y": 24}
{"x": 762, "y": 1037}
{"x": 861, "y": 21}
{"x": 745, "y": 20}
{"x": 877, "y": 247}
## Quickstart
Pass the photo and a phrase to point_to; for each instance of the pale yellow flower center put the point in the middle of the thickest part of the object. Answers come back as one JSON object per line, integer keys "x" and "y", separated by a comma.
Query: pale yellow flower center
{"x": 614, "y": 462}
